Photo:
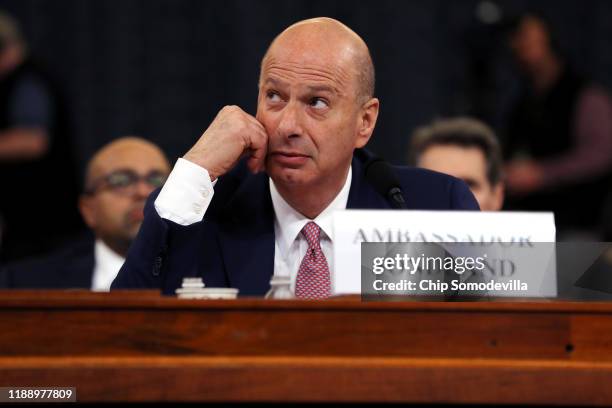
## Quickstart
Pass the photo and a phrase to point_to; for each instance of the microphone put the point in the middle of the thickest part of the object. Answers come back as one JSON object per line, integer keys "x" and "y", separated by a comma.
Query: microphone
{"x": 381, "y": 176}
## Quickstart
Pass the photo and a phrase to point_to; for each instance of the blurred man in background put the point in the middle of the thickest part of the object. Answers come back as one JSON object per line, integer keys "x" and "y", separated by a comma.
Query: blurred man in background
{"x": 464, "y": 148}
{"x": 37, "y": 172}
{"x": 559, "y": 133}
{"x": 119, "y": 179}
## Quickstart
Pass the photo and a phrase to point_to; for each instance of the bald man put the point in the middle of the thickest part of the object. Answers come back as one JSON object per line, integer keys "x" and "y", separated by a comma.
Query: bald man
{"x": 119, "y": 178}
{"x": 238, "y": 222}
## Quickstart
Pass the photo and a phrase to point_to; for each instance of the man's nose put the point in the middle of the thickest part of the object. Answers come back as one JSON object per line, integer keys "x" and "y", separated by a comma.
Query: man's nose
{"x": 290, "y": 124}
{"x": 143, "y": 189}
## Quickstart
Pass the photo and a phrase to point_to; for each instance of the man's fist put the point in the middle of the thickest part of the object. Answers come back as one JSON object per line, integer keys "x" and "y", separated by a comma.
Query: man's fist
{"x": 232, "y": 134}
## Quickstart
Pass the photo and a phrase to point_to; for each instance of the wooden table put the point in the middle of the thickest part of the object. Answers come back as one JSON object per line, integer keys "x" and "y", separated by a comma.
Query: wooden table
{"x": 139, "y": 346}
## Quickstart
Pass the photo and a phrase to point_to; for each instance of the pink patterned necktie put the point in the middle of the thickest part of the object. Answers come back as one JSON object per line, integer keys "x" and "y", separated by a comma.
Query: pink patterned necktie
{"x": 313, "y": 280}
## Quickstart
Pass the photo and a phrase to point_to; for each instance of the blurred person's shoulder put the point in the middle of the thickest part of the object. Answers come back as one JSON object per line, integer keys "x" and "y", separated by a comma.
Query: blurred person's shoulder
{"x": 71, "y": 266}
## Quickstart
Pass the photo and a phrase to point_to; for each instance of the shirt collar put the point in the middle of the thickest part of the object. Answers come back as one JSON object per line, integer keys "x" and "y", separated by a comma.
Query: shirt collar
{"x": 107, "y": 265}
{"x": 290, "y": 222}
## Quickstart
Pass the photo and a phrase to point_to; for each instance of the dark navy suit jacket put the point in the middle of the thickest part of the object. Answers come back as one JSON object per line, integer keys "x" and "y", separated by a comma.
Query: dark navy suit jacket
{"x": 69, "y": 267}
{"x": 234, "y": 245}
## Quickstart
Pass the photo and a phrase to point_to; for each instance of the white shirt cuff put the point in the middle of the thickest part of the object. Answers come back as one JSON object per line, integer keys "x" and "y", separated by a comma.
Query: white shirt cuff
{"x": 186, "y": 194}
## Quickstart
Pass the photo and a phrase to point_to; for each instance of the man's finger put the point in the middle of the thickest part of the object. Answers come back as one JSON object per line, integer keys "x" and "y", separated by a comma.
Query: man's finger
{"x": 258, "y": 148}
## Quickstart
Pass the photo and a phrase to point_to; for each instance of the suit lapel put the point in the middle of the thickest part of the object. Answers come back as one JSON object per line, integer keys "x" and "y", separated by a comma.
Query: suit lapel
{"x": 82, "y": 271}
{"x": 246, "y": 237}
{"x": 79, "y": 267}
{"x": 361, "y": 194}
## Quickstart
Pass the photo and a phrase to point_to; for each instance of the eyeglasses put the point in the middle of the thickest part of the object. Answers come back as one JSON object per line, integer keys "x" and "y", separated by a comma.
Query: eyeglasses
{"x": 124, "y": 182}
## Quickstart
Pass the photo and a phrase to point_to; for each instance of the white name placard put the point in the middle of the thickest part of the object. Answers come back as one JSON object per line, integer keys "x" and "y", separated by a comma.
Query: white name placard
{"x": 352, "y": 227}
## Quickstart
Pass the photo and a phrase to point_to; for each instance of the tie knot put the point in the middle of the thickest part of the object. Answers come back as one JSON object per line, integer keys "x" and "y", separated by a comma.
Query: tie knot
{"x": 312, "y": 233}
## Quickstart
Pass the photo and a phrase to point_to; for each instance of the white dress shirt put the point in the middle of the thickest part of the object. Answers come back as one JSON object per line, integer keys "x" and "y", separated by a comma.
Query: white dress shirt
{"x": 188, "y": 192}
{"x": 106, "y": 266}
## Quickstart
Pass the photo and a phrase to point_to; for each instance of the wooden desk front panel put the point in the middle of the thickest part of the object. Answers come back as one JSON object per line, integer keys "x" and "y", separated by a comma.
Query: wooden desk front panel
{"x": 143, "y": 347}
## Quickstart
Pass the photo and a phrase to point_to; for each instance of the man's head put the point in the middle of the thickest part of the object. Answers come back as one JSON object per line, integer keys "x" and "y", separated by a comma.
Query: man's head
{"x": 532, "y": 41}
{"x": 464, "y": 148}
{"x": 119, "y": 178}
{"x": 12, "y": 45}
{"x": 316, "y": 103}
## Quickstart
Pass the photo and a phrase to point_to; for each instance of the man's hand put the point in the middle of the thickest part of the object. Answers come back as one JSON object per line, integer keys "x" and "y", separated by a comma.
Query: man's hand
{"x": 232, "y": 134}
{"x": 523, "y": 177}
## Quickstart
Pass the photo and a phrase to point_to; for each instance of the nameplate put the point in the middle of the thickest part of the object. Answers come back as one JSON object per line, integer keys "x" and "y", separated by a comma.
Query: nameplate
{"x": 510, "y": 242}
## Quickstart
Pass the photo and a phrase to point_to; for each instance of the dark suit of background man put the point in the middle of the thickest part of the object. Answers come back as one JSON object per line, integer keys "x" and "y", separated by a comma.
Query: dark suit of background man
{"x": 119, "y": 178}
{"x": 37, "y": 169}
{"x": 315, "y": 107}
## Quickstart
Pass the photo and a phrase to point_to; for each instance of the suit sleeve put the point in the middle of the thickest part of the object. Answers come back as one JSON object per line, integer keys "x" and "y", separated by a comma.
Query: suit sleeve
{"x": 177, "y": 209}
{"x": 143, "y": 265}
{"x": 461, "y": 197}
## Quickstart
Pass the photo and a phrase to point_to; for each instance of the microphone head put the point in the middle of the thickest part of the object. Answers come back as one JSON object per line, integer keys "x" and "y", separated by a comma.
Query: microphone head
{"x": 381, "y": 176}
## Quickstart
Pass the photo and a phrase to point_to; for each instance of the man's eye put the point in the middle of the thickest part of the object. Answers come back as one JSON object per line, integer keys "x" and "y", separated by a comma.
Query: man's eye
{"x": 273, "y": 96}
{"x": 156, "y": 179}
{"x": 318, "y": 103}
{"x": 120, "y": 180}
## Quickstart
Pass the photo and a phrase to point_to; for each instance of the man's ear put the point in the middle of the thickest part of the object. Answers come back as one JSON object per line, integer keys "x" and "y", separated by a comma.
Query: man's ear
{"x": 87, "y": 210}
{"x": 367, "y": 121}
